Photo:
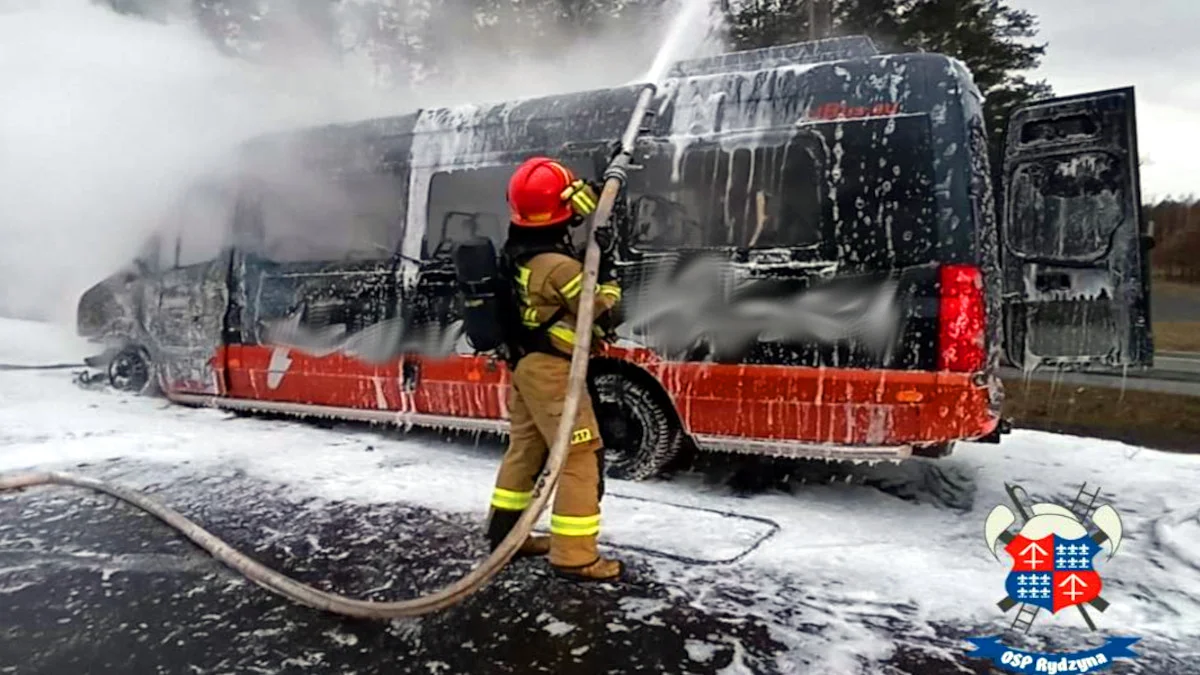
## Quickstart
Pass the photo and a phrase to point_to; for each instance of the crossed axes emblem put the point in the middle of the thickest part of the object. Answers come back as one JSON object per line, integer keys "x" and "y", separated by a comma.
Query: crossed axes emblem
{"x": 1046, "y": 518}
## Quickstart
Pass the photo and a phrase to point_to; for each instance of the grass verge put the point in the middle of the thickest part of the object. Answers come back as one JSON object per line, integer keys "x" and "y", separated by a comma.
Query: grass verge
{"x": 1152, "y": 419}
{"x": 1177, "y": 336}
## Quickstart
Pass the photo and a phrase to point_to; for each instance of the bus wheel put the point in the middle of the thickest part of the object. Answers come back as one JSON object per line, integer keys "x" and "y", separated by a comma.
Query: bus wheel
{"x": 130, "y": 370}
{"x": 641, "y": 433}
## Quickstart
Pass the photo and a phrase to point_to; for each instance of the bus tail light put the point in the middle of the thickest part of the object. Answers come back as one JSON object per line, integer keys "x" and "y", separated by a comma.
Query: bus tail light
{"x": 961, "y": 319}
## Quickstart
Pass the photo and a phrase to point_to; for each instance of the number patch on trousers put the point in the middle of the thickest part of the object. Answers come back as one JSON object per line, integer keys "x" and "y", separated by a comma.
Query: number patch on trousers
{"x": 581, "y": 436}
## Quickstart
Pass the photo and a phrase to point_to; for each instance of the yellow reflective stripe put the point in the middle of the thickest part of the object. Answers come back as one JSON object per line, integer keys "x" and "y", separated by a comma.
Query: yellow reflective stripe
{"x": 581, "y": 196}
{"x": 575, "y": 526}
{"x": 572, "y": 287}
{"x": 510, "y": 500}
{"x": 611, "y": 290}
{"x": 523, "y": 274}
{"x": 530, "y": 317}
{"x": 563, "y": 333}
{"x": 581, "y": 436}
{"x": 583, "y": 201}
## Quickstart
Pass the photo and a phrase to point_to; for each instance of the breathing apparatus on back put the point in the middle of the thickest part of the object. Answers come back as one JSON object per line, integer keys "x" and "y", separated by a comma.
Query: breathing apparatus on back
{"x": 546, "y": 201}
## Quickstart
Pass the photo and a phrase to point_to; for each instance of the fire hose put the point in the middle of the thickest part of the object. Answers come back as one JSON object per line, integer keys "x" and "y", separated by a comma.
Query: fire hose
{"x": 614, "y": 179}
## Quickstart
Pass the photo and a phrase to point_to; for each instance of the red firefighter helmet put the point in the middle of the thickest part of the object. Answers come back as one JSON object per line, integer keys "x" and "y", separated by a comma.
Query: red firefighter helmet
{"x": 535, "y": 193}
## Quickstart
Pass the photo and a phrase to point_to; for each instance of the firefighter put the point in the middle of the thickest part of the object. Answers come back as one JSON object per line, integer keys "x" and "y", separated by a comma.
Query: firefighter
{"x": 546, "y": 199}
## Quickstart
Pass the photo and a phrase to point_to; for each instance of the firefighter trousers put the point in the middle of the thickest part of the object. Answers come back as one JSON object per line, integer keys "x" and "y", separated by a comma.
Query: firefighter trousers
{"x": 535, "y": 404}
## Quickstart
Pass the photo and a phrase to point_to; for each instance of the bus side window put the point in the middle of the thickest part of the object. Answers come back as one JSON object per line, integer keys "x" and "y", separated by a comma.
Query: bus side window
{"x": 467, "y": 203}
{"x": 471, "y": 202}
{"x": 767, "y": 196}
{"x": 203, "y": 227}
{"x": 350, "y": 217}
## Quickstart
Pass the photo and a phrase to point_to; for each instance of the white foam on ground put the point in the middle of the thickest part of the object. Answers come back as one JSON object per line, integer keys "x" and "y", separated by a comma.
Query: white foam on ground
{"x": 35, "y": 343}
{"x": 857, "y": 549}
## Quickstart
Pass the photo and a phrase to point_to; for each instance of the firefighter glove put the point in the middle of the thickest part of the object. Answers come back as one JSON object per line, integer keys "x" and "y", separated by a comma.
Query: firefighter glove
{"x": 581, "y": 196}
{"x": 607, "y": 271}
{"x": 616, "y": 149}
{"x": 606, "y": 241}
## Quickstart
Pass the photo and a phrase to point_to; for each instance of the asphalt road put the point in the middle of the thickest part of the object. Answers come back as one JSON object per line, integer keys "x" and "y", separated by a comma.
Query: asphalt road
{"x": 99, "y": 587}
{"x": 92, "y": 586}
{"x": 1173, "y": 373}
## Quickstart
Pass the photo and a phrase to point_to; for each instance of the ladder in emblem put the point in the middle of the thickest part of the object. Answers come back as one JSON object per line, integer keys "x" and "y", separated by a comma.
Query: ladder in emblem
{"x": 1025, "y": 617}
{"x": 1085, "y": 502}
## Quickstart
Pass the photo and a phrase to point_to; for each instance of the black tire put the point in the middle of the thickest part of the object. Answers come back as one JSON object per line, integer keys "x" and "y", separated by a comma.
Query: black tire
{"x": 131, "y": 370}
{"x": 936, "y": 451}
{"x": 641, "y": 432}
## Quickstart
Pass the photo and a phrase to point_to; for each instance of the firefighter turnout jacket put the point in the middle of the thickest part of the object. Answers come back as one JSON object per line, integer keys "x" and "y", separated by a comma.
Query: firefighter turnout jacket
{"x": 550, "y": 284}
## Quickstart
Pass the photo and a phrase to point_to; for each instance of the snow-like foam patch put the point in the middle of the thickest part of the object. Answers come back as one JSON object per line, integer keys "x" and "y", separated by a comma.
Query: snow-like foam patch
{"x": 846, "y": 564}
{"x": 35, "y": 343}
{"x": 1180, "y": 534}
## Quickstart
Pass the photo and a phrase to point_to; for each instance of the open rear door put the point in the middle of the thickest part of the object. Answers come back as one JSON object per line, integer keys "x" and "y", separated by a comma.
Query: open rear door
{"x": 1076, "y": 274}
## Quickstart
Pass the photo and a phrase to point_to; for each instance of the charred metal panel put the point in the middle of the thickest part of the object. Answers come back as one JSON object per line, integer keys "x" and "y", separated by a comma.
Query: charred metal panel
{"x": 185, "y": 322}
{"x": 109, "y": 313}
{"x": 983, "y": 236}
{"x": 361, "y": 146}
{"x": 1074, "y": 264}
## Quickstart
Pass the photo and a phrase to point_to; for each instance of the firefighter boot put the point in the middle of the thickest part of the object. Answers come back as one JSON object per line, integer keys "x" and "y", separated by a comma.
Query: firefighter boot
{"x": 603, "y": 569}
{"x": 501, "y": 523}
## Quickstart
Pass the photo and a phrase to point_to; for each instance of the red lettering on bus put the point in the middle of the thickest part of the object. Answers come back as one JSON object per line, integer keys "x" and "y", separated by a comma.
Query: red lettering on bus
{"x": 843, "y": 110}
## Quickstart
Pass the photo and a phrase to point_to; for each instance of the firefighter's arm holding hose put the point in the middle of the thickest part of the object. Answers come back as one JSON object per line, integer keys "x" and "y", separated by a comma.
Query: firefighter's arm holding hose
{"x": 567, "y": 278}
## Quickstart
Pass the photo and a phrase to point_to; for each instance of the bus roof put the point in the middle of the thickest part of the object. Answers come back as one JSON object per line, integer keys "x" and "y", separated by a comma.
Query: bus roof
{"x": 754, "y": 90}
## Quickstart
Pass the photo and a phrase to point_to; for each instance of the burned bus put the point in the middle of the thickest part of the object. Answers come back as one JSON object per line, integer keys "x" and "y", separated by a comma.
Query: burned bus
{"x": 811, "y": 261}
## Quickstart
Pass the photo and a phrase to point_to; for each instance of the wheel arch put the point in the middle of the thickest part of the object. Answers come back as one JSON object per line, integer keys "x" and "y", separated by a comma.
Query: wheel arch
{"x": 611, "y": 365}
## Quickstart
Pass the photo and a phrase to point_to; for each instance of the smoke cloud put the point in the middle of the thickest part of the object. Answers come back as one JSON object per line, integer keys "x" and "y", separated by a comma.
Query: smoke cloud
{"x": 108, "y": 118}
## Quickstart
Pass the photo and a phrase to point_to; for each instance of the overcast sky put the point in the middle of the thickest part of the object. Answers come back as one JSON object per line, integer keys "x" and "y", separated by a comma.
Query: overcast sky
{"x": 1150, "y": 44}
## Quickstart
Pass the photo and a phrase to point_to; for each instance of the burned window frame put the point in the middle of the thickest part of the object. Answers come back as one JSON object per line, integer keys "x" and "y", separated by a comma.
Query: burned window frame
{"x": 217, "y": 191}
{"x": 577, "y": 159}
{"x": 793, "y": 146}
{"x": 251, "y": 231}
{"x": 1020, "y": 232}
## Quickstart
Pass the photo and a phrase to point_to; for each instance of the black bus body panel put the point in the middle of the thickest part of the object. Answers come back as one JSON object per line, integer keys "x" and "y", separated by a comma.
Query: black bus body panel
{"x": 875, "y": 202}
{"x": 834, "y": 190}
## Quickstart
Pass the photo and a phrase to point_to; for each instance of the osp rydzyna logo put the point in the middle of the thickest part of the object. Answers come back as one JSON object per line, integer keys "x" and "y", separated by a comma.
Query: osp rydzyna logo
{"x": 1053, "y": 568}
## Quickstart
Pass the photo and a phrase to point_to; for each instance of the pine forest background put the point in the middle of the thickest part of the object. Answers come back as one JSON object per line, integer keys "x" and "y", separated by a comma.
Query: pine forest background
{"x": 416, "y": 40}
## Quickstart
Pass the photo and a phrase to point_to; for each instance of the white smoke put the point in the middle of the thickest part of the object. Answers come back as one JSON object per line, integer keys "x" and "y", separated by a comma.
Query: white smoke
{"x": 107, "y": 118}
{"x": 104, "y": 119}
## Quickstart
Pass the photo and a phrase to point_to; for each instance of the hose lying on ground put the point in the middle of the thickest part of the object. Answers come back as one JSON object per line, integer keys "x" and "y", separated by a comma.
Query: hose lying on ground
{"x": 458, "y": 591}
{"x": 43, "y": 366}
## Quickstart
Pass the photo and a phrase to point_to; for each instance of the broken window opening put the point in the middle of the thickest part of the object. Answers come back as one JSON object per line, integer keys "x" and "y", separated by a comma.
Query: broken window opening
{"x": 745, "y": 198}
{"x": 356, "y": 216}
{"x": 465, "y": 203}
{"x": 1067, "y": 208}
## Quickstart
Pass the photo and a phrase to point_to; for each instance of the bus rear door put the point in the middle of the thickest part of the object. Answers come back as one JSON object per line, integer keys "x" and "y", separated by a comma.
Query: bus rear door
{"x": 1076, "y": 275}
